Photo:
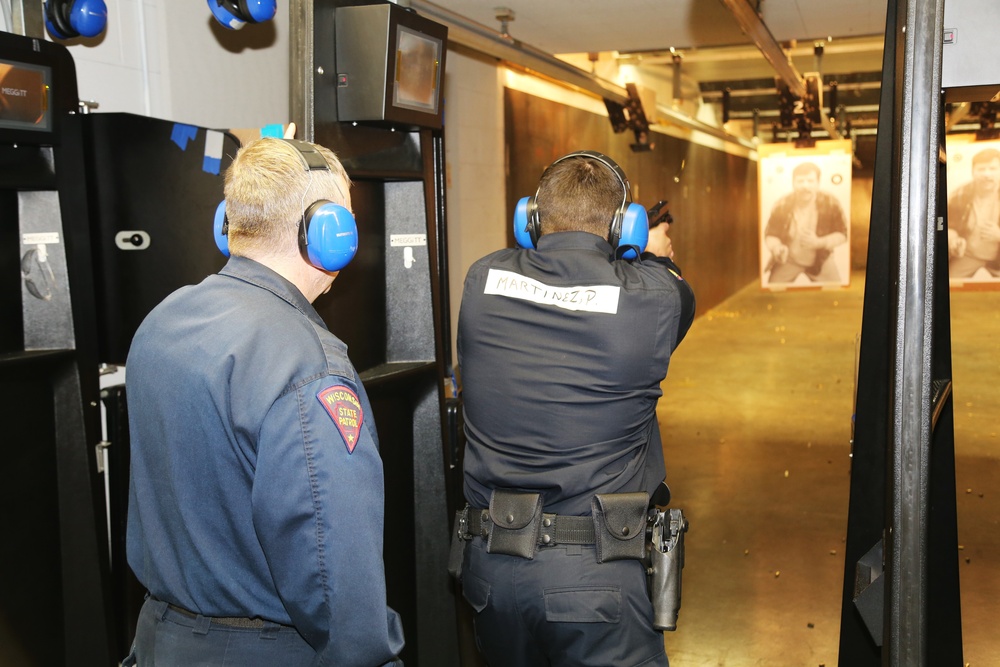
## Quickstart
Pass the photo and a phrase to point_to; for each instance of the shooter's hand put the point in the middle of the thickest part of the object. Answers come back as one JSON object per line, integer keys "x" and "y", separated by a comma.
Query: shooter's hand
{"x": 659, "y": 243}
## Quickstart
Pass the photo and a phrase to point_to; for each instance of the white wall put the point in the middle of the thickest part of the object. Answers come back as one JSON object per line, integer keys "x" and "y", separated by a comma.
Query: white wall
{"x": 223, "y": 78}
{"x": 170, "y": 59}
{"x": 476, "y": 166}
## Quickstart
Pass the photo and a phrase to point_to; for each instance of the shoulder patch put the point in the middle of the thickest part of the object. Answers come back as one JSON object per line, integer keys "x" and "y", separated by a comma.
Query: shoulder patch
{"x": 345, "y": 410}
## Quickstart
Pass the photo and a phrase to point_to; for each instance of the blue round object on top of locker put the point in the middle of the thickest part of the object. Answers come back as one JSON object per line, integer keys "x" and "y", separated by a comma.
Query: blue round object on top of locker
{"x": 234, "y": 14}
{"x": 66, "y": 19}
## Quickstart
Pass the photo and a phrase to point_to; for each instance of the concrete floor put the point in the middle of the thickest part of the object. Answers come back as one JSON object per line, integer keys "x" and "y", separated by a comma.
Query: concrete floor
{"x": 756, "y": 418}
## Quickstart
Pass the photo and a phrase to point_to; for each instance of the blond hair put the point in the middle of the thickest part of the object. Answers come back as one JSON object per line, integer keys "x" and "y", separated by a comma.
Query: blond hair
{"x": 268, "y": 187}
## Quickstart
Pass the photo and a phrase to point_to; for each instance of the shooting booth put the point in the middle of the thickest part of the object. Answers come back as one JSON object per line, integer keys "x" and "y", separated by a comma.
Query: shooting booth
{"x": 55, "y": 600}
{"x": 367, "y": 81}
{"x": 901, "y": 600}
{"x": 146, "y": 242}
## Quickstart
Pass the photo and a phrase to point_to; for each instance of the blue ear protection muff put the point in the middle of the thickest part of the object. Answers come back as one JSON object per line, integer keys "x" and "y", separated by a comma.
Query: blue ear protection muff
{"x": 66, "y": 19}
{"x": 221, "y": 228}
{"x": 328, "y": 233}
{"x": 234, "y": 14}
{"x": 629, "y": 229}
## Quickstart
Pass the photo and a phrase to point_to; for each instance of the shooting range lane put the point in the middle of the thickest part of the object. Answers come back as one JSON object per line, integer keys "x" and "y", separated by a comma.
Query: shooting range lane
{"x": 756, "y": 423}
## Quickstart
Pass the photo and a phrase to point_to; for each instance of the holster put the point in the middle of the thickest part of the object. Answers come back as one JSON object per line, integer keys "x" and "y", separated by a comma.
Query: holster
{"x": 620, "y": 525}
{"x": 666, "y": 559}
{"x": 459, "y": 536}
{"x": 517, "y": 521}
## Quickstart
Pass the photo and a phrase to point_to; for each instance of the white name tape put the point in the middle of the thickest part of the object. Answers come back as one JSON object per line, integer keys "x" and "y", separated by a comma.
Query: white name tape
{"x": 590, "y": 298}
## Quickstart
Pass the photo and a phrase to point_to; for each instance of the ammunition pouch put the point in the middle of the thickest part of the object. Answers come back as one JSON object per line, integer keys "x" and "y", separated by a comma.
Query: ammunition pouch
{"x": 620, "y": 526}
{"x": 517, "y": 522}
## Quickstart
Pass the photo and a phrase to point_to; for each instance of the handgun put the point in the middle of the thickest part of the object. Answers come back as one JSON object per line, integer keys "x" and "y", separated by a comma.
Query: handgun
{"x": 659, "y": 213}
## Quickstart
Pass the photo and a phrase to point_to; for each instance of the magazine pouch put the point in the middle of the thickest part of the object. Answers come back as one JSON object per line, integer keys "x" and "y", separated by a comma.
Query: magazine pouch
{"x": 517, "y": 520}
{"x": 620, "y": 525}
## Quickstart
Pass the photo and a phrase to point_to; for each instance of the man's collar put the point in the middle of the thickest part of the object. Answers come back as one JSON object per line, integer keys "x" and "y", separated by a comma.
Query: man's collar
{"x": 253, "y": 272}
{"x": 574, "y": 241}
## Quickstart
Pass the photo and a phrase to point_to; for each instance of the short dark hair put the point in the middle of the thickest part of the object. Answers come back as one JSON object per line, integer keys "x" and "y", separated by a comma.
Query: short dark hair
{"x": 806, "y": 167}
{"x": 985, "y": 155}
{"x": 578, "y": 194}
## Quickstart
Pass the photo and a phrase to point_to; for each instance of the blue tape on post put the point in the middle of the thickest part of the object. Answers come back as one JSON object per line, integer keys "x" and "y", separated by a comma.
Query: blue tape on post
{"x": 274, "y": 130}
{"x": 182, "y": 134}
{"x": 213, "y": 152}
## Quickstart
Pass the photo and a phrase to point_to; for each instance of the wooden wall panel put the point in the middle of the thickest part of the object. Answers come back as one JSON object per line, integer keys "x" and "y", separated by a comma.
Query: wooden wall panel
{"x": 712, "y": 194}
{"x": 862, "y": 180}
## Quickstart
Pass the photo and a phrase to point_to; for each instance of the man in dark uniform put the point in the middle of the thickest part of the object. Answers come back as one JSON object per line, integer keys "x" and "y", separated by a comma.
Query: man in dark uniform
{"x": 256, "y": 494}
{"x": 562, "y": 351}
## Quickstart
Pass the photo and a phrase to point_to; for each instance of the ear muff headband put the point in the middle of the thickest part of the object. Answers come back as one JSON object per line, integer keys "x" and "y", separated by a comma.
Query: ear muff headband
{"x": 328, "y": 232}
{"x": 66, "y": 19}
{"x": 629, "y": 225}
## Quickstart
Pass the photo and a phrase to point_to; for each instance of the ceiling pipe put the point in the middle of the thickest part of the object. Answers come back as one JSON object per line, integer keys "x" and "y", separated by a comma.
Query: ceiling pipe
{"x": 957, "y": 115}
{"x": 842, "y": 46}
{"x": 483, "y": 39}
{"x": 755, "y": 28}
{"x": 27, "y": 19}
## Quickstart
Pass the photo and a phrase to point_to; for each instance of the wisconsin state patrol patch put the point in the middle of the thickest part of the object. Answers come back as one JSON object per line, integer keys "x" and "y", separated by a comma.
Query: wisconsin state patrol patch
{"x": 345, "y": 410}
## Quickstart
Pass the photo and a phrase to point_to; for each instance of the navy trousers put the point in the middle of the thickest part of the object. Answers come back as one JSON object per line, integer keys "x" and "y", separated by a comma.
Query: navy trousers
{"x": 167, "y": 638}
{"x": 561, "y": 609}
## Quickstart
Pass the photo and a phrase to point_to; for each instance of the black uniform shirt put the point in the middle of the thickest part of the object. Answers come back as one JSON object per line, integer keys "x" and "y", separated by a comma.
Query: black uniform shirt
{"x": 562, "y": 350}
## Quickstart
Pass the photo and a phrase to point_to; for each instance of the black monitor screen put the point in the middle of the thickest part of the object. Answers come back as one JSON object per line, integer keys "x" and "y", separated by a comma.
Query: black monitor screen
{"x": 24, "y": 96}
{"x": 417, "y": 77}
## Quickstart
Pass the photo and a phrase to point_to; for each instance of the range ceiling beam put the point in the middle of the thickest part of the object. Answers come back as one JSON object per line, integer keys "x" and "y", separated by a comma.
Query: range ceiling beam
{"x": 755, "y": 28}
{"x": 480, "y": 38}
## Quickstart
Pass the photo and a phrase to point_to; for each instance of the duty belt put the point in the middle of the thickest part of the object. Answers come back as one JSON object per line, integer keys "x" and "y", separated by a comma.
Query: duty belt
{"x": 556, "y": 528}
{"x": 227, "y": 621}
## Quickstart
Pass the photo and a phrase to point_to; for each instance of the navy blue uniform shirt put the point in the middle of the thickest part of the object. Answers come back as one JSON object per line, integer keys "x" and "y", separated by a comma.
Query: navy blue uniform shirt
{"x": 256, "y": 484}
{"x": 562, "y": 350}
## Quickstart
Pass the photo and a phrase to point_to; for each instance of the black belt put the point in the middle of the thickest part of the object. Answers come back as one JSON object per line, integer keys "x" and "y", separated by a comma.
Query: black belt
{"x": 228, "y": 621}
{"x": 556, "y": 528}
